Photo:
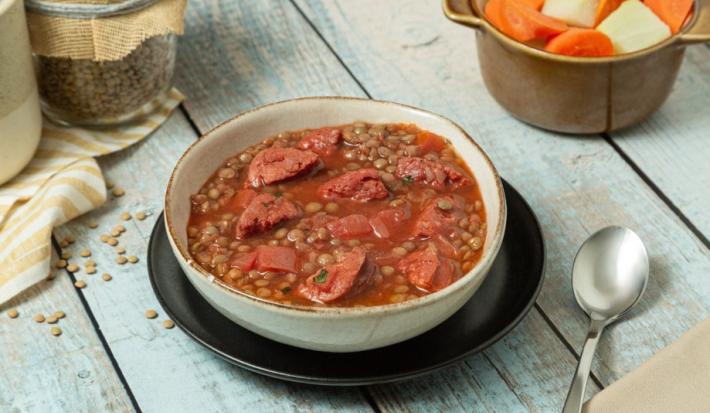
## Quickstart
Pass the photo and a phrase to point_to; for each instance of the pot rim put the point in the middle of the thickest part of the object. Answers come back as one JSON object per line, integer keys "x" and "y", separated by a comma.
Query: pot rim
{"x": 482, "y": 23}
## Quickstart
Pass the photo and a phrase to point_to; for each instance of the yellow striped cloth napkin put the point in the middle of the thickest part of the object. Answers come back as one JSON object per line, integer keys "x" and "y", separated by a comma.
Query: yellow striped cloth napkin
{"x": 61, "y": 182}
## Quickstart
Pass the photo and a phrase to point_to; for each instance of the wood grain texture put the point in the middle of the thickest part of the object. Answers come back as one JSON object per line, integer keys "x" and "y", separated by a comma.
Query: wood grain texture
{"x": 671, "y": 147}
{"x": 44, "y": 374}
{"x": 407, "y": 51}
{"x": 287, "y": 59}
{"x": 167, "y": 370}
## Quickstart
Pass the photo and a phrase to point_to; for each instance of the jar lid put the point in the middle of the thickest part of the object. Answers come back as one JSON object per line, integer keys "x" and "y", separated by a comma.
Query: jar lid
{"x": 86, "y": 10}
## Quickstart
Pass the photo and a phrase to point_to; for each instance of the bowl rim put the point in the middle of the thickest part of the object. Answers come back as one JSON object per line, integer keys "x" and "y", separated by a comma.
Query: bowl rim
{"x": 543, "y": 54}
{"x": 483, "y": 264}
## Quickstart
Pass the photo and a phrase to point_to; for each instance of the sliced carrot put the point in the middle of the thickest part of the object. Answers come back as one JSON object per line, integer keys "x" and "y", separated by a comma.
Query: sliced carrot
{"x": 673, "y": 12}
{"x": 522, "y": 22}
{"x": 535, "y": 4}
{"x": 605, "y": 8}
{"x": 493, "y": 13}
{"x": 581, "y": 42}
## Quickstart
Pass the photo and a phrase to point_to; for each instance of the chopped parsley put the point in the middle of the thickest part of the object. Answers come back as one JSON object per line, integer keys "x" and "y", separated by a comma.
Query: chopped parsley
{"x": 321, "y": 277}
{"x": 286, "y": 290}
{"x": 278, "y": 194}
{"x": 408, "y": 180}
{"x": 266, "y": 204}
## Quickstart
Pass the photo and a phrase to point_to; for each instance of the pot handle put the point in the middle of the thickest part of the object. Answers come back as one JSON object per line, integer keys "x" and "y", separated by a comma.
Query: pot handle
{"x": 451, "y": 8}
{"x": 700, "y": 32}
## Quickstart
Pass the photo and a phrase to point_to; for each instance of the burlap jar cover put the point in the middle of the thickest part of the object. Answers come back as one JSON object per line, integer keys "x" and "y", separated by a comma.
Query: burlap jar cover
{"x": 98, "y": 59}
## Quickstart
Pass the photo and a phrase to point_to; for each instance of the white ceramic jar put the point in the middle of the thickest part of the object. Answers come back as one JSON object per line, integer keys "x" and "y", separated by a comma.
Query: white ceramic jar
{"x": 20, "y": 115}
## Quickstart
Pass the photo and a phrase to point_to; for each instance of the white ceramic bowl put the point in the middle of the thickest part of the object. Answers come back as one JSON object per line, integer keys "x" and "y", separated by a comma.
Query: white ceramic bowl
{"x": 322, "y": 328}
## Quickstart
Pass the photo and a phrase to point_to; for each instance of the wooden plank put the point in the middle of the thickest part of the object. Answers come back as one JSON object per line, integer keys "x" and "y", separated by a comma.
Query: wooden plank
{"x": 43, "y": 373}
{"x": 576, "y": 185}
{"x": 266, "y": 52}
{"x": 167, "y": 370}
{"x": 672, "y": 146}
{"x": 238, "y": 55}
{"x": 536, "y": 374}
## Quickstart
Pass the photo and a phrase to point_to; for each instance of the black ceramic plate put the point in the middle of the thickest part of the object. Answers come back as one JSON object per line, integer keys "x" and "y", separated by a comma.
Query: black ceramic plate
{"x": 502, "y": 301}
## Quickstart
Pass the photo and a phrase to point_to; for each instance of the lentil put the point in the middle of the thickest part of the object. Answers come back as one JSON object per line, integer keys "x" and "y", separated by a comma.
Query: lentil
{"x": 118, "y": 192}
{"x": 83, "y": 90}
{"x": 56, "y": 331}
{"x": 168, "y": 324}
{"x": 72, "y": 268}
{"x": 151, "y": 314}
{"x": 79, "y": 284}
{"x": 39, "y": 318}
{"x": 13, "y": 313}
{"x": 140, "y": 215}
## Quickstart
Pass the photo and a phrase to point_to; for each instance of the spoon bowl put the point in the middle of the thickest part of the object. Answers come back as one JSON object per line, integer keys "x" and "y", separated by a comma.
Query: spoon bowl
{"x": 609, "y": 276}
{"x": 610, "y": 273}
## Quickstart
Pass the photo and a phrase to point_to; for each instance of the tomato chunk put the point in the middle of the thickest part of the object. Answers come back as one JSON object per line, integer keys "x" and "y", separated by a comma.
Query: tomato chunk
{"x": 245, "y": 261}
{"x": 275, "y": 258}
{"x": 351, "y": 226}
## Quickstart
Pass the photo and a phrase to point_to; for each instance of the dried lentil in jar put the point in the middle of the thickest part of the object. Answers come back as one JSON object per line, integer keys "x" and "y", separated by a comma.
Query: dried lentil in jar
{"x": 88, "y": 78}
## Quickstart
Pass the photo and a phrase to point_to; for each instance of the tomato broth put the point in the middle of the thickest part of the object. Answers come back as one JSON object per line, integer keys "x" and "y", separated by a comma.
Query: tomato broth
{"x": 351, "y": 215}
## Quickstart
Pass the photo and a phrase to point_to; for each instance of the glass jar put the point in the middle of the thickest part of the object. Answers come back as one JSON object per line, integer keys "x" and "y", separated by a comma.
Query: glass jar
{"x": 89, "y": 92}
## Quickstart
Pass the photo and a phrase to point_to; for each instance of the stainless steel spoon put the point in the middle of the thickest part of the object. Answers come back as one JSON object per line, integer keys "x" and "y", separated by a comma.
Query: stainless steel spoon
{"x": 609, "y": 276}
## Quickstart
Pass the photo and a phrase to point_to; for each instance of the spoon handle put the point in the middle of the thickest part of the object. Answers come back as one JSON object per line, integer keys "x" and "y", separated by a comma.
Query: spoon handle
{"x": 575, "y": 397}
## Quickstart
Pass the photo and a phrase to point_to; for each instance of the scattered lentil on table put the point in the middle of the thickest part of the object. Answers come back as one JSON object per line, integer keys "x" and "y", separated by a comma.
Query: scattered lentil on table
{"x": 151, "y": 314}
{"x": 56, "y": 331}
{"x": 168, "y": 324}
{"x": 13, "y": 313}
{"x": 79, "y": 284}
{"x": 39, "y": 318}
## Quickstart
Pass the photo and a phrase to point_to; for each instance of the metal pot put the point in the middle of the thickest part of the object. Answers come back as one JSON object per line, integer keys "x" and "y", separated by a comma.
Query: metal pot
{"x": 575, "y": 94}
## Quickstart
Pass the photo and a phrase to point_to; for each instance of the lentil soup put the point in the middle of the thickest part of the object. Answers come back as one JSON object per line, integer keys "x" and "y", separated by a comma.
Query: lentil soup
{"x": 353, "y": 215}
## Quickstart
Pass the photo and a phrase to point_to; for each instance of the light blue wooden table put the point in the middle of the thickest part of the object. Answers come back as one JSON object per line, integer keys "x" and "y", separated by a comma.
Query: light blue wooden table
{"x": 235, "y": 55}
